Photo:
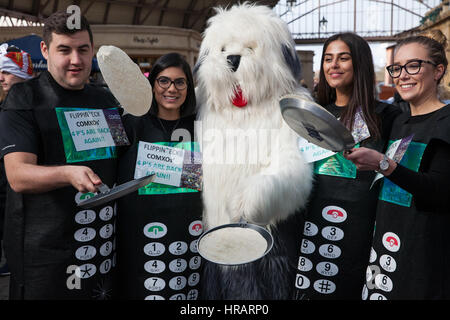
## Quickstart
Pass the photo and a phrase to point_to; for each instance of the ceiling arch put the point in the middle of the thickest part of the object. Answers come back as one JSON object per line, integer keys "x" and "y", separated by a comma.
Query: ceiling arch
{"x": 187, "y": 14}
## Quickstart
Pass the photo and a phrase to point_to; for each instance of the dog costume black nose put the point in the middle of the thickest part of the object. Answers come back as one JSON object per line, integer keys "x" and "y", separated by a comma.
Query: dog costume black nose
{"x": 234, "y": 61}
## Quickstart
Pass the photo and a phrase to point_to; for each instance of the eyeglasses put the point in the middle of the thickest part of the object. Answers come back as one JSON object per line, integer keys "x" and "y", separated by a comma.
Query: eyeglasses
{"x": 412, "y": 67}
{"x": 165, "y": 83}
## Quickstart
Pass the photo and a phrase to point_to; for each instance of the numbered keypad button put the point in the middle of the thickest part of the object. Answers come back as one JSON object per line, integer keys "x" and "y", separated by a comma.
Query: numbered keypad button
{"x": 178, "y": 265}
{"x": 106, "y": 213}
{"x": 154, "y": 266}
{"x": 154, "y": 249}
{"x": 332, "y": 233}
{"x": 85, "y": 217}
{"x": 307, "y": 246}
{"x": 178, "y": 248}
{"x": 330, "y": 251}
{"x": 154, "y": 284}
{"x": 302, "y": 282}
{"x": 85, "y": 234}
{"x": 85, "y": 253}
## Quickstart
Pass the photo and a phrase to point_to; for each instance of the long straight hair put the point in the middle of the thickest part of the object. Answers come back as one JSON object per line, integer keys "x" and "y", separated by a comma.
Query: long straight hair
{"x": 363, "y": 91}
{"x": 174, "y": 60}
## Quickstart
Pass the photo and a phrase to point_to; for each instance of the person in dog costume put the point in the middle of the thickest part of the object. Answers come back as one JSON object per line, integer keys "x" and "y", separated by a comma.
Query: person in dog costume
{"x": 247, "y": 62}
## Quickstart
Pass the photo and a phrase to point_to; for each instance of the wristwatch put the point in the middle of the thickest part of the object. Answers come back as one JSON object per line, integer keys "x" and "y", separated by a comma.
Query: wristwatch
{"x": 384, "y": 163}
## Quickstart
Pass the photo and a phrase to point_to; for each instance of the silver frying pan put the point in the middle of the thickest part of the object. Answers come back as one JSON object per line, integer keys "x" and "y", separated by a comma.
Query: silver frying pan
{"x": 106, "y": 194}
{"x": 315, "y": 124}
{"x": 243, "y": 224}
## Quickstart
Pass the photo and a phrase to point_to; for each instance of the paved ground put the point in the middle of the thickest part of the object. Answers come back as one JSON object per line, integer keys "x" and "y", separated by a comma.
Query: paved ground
{"x": 4, "y": 284}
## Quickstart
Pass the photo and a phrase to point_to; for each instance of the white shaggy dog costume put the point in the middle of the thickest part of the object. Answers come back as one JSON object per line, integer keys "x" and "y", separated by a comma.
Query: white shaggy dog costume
{"x": 252, "y": 167}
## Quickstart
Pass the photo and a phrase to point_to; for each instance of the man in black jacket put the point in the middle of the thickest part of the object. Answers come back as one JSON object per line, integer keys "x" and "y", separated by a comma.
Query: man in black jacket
{"x": 15, "y": 67}
{"x": 57, "y": 149}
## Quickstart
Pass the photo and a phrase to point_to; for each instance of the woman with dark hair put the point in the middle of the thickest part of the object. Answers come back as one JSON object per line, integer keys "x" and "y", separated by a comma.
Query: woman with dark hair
{"x": 410, "y": 255}
{"x": 158, "y": 226}
{"x": 339, "y": 219}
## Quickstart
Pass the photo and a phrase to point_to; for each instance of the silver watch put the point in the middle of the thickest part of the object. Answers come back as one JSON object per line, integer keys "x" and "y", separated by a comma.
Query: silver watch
{"x": 384, "y": 163}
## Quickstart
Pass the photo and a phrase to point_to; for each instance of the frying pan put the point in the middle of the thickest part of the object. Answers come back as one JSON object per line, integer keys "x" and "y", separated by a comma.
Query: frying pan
{"x": 106, "y": 194}
{"x": 243, "y": 224}
{"x": 315, "y": 124}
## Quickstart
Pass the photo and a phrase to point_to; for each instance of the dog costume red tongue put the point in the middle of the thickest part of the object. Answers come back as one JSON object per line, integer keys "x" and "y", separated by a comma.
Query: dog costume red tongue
{"x": 239, "y": 100}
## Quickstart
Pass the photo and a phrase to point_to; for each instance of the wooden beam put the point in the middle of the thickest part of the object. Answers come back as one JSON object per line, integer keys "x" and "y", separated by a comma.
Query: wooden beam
{"x": 137, "y": 12}
{"x": 36, "y": 7}
{"x": 155, "y": 3}
{"x": 162, "y": 12}
{"x": 55, "y": 6}
{"x": 187, "y": 16}
{"x": 87, "y": 8}
{"x": 149, "y": 6}
{"x": 203, "y": 13}
{"x": 18, "y": 15}
{"x": 45, "y": 5}
{"x": 106, "y": 13}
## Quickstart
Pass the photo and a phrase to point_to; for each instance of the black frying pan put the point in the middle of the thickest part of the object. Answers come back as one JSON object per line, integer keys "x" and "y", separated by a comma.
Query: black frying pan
{"x": 106, "y": 194}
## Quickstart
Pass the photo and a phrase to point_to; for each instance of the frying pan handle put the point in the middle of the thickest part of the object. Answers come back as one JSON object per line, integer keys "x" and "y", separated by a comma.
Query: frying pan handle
{"x": 243, "y": 222}
{"x": 103, "y": 188}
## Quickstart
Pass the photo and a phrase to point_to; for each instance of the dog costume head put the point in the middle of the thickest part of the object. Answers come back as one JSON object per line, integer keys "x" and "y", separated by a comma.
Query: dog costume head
{"x": 247, "y": 56}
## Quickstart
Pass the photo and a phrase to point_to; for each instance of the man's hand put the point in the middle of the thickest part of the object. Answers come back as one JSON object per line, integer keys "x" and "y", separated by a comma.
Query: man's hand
{"x": 25, "y": 176}
{"x": 82, "y": 178}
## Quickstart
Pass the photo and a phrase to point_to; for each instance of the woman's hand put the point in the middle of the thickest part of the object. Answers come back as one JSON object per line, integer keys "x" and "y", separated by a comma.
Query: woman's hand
{"x": 367, "y": 159}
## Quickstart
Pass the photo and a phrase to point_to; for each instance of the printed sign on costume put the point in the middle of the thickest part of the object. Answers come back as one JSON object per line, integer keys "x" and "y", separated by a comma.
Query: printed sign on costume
{"x": 91, "y": 134}
{"x": 311, "y": 152}
{"x": 178, "y": 167}
{"x": 165, "y": 161}
{"x": 89, "y": 129}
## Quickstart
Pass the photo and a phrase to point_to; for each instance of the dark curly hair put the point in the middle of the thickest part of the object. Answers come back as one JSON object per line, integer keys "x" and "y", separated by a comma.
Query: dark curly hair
{"x": 57, "y": 23}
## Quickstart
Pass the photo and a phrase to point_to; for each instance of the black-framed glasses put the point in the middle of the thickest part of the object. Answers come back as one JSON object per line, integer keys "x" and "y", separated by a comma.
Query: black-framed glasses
{"x": 165, "y": 83}
{"x": 412, "y": 67}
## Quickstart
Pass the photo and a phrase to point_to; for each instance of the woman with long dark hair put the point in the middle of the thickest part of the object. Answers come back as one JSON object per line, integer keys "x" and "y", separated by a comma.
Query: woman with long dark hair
{"x": 339, "y": 219}
{"x": 347, "y": 79}
{"x": 158, "y": 226}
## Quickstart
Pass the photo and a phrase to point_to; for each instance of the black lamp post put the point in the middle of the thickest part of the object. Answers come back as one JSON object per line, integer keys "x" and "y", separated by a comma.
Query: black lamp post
{"x": 323, "y": 23}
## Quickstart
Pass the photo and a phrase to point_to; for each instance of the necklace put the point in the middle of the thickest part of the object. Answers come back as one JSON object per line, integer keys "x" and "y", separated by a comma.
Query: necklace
{"x": 164, "y": 128}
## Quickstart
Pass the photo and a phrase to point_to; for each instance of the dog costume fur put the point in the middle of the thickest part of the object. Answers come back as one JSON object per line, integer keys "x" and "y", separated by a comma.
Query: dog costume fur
{"x": 252, "y": 167}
